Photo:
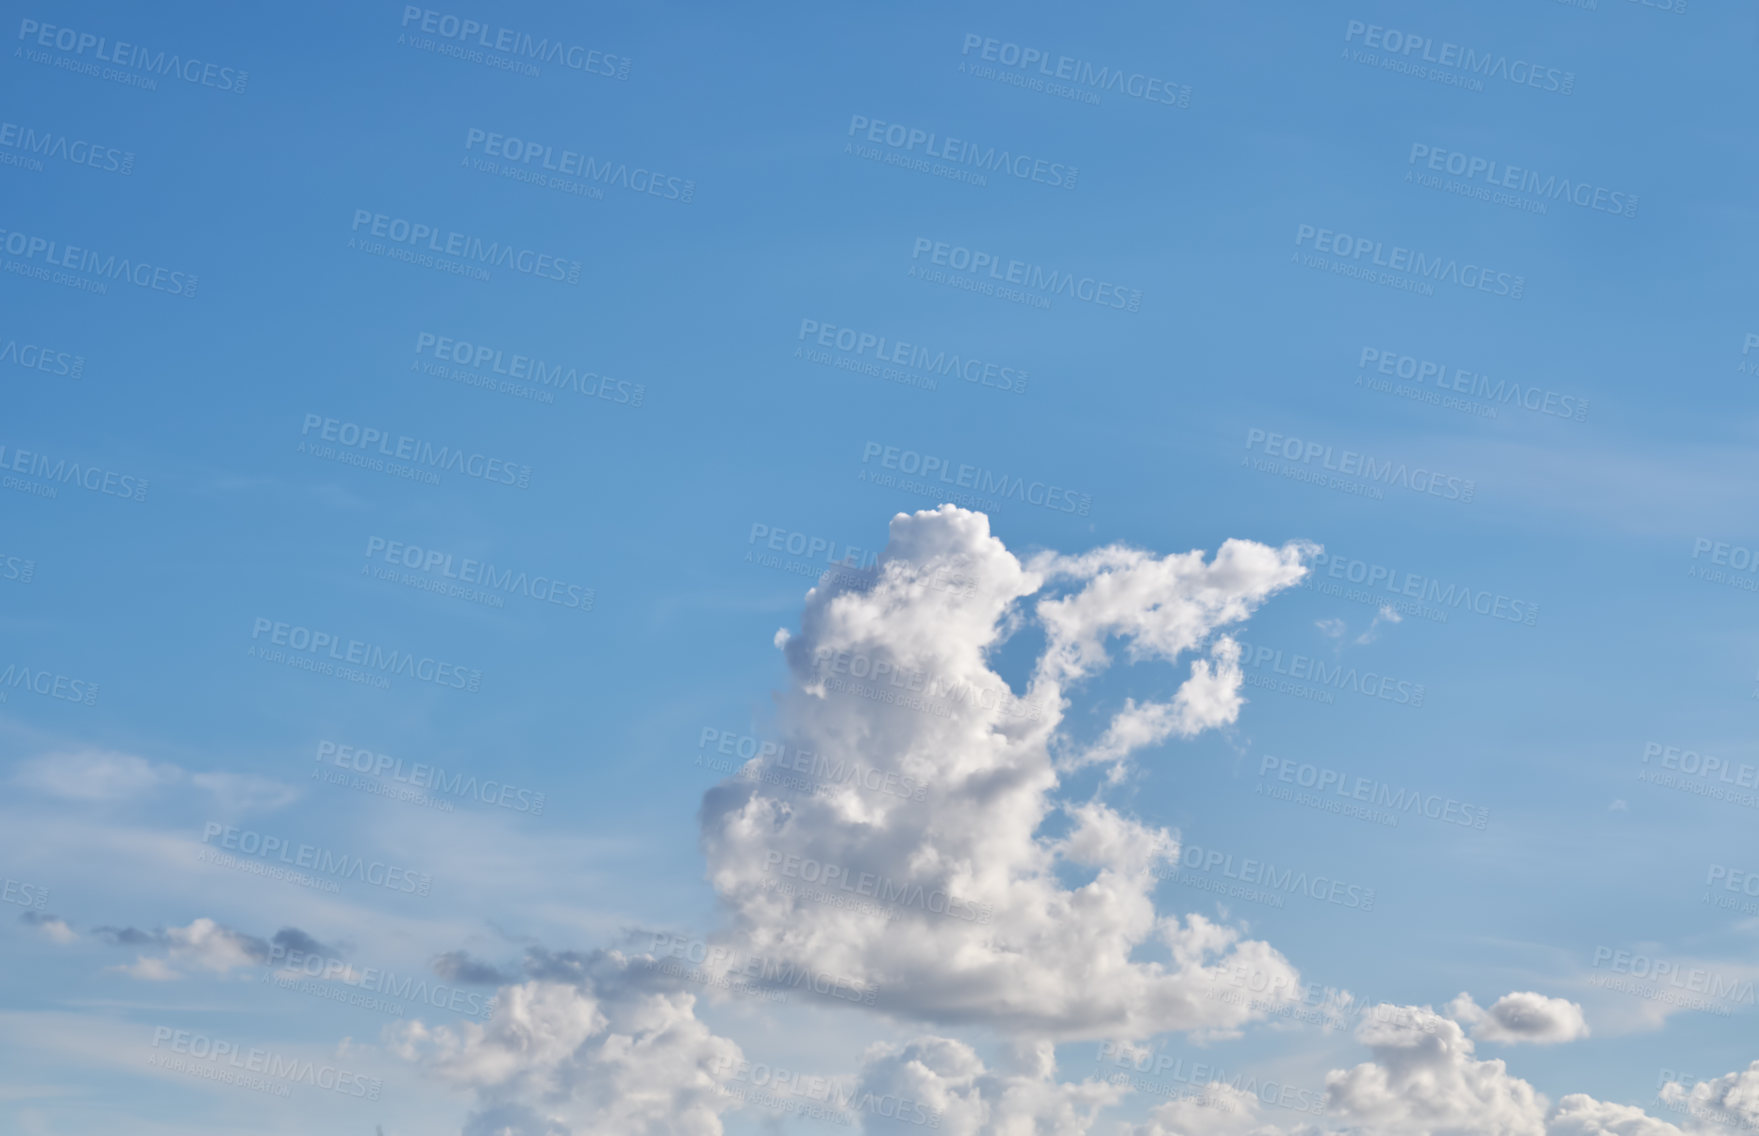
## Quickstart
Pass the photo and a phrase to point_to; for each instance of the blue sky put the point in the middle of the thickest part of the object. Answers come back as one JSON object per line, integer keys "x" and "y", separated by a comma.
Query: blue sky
{"x": 747, "y": 206}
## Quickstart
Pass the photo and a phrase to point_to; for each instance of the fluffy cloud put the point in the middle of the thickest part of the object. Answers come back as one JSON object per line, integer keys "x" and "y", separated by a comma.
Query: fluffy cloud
{"x": 1521, "y": 1016}
{"x": 204, "y": 945}
{"x": 52, "y": 926}
{"x": 945, "y": 1079}
{"x": 597, "y": 1056}
{"x": 962, "y": 906}
{"x": 1729, "y": 1102}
